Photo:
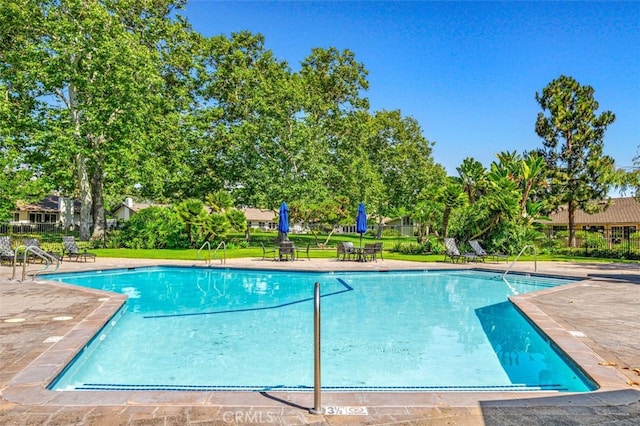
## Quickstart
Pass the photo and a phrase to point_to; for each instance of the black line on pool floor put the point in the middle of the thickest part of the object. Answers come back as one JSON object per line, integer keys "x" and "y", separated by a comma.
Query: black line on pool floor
{"x": 347, "y": 288}
{"x": 307, "y": 388}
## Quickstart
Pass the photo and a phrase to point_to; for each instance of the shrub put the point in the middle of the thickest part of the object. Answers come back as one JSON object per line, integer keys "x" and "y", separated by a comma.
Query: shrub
{"x": 433, "y": 245}
{"x": 415, "y": 248}
{"x": 390, "y": 232}
{"x": 594, "y": 240}
{"x": 154, "y": 228}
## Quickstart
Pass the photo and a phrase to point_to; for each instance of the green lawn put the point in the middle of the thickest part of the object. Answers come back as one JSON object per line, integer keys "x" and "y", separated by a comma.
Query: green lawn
{"x": 235, "y": 243}
{"x": 255, "y": 251}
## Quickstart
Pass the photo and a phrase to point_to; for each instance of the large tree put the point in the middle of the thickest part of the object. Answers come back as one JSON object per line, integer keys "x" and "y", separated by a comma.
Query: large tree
{"x": 402, "y": 158}
{"x": 94, "y": 73}
{"x": 573, "y": 139}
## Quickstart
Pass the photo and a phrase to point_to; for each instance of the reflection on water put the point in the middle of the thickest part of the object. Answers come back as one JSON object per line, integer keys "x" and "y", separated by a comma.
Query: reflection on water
{"x": 525, "y": 355}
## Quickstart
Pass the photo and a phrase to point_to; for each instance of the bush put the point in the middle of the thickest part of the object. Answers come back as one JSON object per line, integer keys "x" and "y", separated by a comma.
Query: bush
{"x": 407, "y": 248}
{"x": 154, "y": 228}
{"x": 433, "y": 245}
{"x": 430, "y": 246}
{"x": 594, "y": 240}
{"x": 390, "y": 232}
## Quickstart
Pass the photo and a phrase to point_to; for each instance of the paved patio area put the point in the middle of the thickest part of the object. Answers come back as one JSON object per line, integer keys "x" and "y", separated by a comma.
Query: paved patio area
{"x": 596, "y": 321}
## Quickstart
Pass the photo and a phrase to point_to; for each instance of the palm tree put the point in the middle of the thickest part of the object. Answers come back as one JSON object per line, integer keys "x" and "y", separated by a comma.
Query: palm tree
{"x": 452, "y": 198}
{"x": 472, "y": 178}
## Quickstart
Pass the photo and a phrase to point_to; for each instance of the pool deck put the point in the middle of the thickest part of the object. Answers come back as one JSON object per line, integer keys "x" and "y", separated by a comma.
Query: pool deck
{"x": 596, "y": 321}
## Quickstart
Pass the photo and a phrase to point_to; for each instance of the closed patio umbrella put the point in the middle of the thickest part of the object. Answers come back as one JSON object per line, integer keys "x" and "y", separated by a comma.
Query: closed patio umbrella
{"x": 283, "y": 221}
{"x": 361, "y": 221}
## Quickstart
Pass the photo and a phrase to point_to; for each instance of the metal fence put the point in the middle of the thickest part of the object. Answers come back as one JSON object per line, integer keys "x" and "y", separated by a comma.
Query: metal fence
{"x": 618, "y": 242}
{"x": 54, "y": 229}
{"x": 621, "y": 242}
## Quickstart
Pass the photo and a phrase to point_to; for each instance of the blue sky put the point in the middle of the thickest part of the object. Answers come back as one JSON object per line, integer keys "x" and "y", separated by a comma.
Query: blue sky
{"x": 467, "y": 71}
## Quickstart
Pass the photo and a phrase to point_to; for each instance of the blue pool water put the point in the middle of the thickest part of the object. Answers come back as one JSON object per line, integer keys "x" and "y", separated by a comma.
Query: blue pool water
{"x": 212, "y": 329}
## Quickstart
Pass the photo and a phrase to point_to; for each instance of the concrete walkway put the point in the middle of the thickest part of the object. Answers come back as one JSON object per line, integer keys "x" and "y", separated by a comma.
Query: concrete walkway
{"x": 596, "y": 321}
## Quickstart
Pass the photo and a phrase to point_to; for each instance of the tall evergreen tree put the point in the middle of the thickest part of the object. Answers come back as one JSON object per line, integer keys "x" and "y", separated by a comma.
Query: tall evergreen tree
{"x": 573, "y": 139}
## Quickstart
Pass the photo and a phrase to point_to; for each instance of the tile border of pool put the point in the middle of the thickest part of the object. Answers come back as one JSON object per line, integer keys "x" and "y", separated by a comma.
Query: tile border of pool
{"x": 29, "y": 385}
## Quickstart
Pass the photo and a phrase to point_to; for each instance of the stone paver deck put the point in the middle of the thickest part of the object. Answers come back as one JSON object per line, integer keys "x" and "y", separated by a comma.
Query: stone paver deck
{"x": 596, "y": 321}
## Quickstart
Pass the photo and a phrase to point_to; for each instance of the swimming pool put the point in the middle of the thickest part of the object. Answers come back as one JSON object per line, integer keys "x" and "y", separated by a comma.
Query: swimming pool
{"x": 227, "y": 329}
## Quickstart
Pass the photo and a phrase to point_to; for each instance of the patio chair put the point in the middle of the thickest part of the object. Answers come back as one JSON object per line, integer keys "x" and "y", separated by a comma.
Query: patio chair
{"x": 303, "y": 250}
{"x": 268, "y": 251}
{"x": 453, "y": 253}
{"x": 6, "y": 252}
{"x": 71, "y": 250}
{"x": 369, "y": 252}
{"x": 346, "y": 250}
{"x": 379, "y": 250}
{"x": 287, "y": 251}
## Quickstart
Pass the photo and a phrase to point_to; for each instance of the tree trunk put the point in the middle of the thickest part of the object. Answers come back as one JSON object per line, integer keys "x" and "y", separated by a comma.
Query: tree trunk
{"x": 572, "y": 232}
{"x": 85, "y": 198}
{"x": 99, "y": 224}
{"x": 445, "y": 221}
{"x": 247, "y": 233}
{"x": 81, "y": 168}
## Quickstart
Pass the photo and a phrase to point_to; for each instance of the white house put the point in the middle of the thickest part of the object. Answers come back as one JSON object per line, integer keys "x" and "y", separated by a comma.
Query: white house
{"x": 52, "y": 209}
{"x": 128, "y": 208}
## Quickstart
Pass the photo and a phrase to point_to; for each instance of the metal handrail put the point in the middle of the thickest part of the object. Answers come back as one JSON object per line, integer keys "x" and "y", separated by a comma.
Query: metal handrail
{"x": 317, "y": 360}
{"x": 206, "y": 244}
{"x": 222, "y": 244}
{"x": 37, "y": 251}
{"x": 535, "y": 259}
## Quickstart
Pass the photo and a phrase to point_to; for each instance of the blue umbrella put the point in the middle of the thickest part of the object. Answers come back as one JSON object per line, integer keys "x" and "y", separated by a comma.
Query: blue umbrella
{"x": 283, "y": 221}
{"x": 361, "y": 221}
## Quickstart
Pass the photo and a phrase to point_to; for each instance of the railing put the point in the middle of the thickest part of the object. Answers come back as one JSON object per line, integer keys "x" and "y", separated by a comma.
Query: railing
{"x": 222, "y": 244}
{"x": 47, "y": 258}
{"x": 535, "y": 259}
{"x": 208, "y": 259}
{"x": 215, "y": 252}
{"x": 317, "y": 361}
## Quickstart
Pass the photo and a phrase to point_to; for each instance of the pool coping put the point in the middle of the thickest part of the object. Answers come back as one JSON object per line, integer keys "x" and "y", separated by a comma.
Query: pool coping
{"x": 29, "y": 385}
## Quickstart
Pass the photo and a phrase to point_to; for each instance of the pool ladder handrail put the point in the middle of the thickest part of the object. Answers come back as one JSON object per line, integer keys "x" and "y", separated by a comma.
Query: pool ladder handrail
{"x": 206, "y": 244}
{"x": 535, "y": 259}
{"x": 208, "y": 259}
{"x": 222, "y": 244}
{"x": 48, "y": 258}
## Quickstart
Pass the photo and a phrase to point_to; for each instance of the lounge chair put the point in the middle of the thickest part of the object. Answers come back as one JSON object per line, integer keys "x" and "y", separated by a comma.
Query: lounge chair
{"x": 267, "y": 251}
{"x": 72, "y": 251}
{"x": 6, "y": 252}
{"x": 346, "y": 250}
{"x": 453, "y": 253}
{"x": 475, "y": 245}
{"x": 480, "y": 252}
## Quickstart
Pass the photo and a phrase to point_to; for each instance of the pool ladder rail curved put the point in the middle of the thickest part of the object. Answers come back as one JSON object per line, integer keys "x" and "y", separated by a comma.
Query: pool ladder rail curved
{"x": 47, "y": 258}
{"x": 535, "y": 259}
{"x": 206, "y": 244}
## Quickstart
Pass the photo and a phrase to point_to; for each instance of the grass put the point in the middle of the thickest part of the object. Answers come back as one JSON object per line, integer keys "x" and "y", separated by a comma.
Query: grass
{"x": 301, "y": 240}
{"x": 236, "y": 241}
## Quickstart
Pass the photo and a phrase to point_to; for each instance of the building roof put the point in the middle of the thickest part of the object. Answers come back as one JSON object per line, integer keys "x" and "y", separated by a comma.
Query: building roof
{"x": 260, "y": 215}
{"x": 49, "y": 204}
{"x": 620, "y": 211}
